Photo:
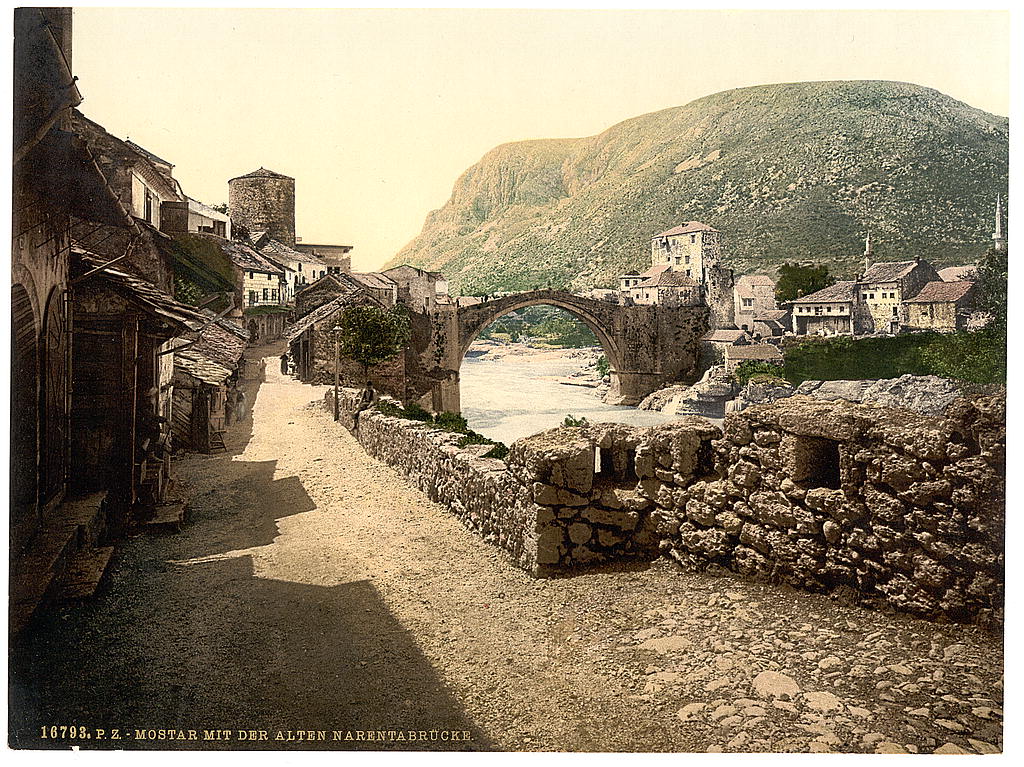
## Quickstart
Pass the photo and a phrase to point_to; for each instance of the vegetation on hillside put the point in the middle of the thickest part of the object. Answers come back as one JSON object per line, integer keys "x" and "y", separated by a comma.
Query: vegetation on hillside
{"x": 797, "y": 280}
{"x": 786, "y": 172}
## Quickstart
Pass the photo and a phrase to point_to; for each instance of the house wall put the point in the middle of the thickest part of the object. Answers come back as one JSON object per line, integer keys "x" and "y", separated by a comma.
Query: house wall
{"x": 258, "y": 282}
{"x": 946, "y": 316}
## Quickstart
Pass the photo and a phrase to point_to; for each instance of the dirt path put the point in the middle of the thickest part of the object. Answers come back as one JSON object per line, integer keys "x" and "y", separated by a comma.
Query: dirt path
{"x": 313, "y": 589}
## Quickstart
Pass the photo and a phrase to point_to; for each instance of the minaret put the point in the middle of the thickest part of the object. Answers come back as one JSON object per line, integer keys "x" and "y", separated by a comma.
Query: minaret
{"x": 998, "y": 236}
{"x": 868, "y": 253}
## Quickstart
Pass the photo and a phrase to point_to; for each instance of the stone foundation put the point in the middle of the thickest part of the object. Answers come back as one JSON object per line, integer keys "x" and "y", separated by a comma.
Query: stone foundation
{"x": 894, "y": 508}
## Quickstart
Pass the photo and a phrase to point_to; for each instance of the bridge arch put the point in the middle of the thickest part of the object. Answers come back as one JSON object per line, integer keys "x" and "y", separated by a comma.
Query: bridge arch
{"x": 474, "y": 319}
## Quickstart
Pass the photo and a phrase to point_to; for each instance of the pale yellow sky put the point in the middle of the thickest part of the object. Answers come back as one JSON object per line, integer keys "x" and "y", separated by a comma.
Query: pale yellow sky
{"x": 377, "y": 112}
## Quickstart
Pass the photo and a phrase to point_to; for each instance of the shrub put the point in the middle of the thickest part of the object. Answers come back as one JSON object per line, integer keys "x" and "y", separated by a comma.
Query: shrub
{"x": 452, "y": 422}
{"x": 415, "y": 412}
{"x": 499, "y": 451}
{"x": 759, "y": 371}
{"x": 571, "y": 420}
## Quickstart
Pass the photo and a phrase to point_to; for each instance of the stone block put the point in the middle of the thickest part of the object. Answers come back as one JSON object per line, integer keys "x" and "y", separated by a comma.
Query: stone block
{"x": 579, "y": 532}
{"x": 563, "y": 457}
{"x": 619, "y": 519}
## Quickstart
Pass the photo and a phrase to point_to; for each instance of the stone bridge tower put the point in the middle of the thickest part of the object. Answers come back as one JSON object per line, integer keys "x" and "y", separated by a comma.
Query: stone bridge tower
{"x": 264, "y": 201}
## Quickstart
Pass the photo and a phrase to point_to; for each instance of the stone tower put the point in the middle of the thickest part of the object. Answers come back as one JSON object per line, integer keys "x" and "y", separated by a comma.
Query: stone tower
{"x": 264, "y": 201}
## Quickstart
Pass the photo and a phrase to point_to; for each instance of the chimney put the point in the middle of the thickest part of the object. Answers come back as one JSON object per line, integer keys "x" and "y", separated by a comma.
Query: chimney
{"x": 999, "y": 237}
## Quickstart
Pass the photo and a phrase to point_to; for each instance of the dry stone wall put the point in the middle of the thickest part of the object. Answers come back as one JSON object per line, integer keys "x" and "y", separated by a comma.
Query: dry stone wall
{"x": 890, "y": 507}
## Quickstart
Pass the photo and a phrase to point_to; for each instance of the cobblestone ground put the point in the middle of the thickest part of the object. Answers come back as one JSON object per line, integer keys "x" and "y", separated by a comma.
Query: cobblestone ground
{"x": 313, "y": 589}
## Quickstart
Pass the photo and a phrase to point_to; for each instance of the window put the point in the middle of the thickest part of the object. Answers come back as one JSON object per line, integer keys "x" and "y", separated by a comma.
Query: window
{"x": 250, "y": 275}
{"x": 895, "y": 311}
{"x": 829, "y": 310}
{"x": 693, "y": 238}
{"x": 687, "y": 259}
{"x": 148, "y": 207}
{"x": 273, "y": 294}
{"x": 748, "y": 301}
{"x": 270, "y": 276}
{"x": 300, "y": 266}
{"x": 266, "y": 294}
{"x": 687, "y": 272}
{"x": 252, "y": 297}
{"x": 814, "y": 462}
{"x": 817, "y": 310}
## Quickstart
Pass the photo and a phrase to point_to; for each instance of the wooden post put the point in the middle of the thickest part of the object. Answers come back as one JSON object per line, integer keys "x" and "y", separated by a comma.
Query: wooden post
{"x": 337, "y": 355}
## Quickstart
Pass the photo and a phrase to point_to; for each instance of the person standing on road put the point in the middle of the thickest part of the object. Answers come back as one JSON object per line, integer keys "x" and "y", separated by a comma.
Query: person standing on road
{"x": 284, "y": 364}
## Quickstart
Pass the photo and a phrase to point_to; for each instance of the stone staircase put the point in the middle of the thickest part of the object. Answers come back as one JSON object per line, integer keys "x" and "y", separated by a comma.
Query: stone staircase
{"x": 64, "y": 561}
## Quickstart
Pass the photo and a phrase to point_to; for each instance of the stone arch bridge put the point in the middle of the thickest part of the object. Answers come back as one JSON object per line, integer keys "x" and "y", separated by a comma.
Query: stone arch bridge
{"x": 646, "y": 346}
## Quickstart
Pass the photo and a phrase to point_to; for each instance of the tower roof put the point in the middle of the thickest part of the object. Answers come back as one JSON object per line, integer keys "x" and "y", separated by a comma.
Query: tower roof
{"x": 686, "y": 228}
{"x": 261, "y": 172}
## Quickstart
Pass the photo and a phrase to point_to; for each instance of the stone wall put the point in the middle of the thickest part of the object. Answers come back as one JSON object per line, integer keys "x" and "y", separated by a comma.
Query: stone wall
{"x": 890, "y": 507}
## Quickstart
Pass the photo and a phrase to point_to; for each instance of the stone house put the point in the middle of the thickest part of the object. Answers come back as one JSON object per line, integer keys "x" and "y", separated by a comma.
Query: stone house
{"x": 142, "y": 181}
{"x": 300, "y": 268}
{"x": 668, "y": 288}
{"x": 311, "y": 343}
{"x": 884, "y": 287}
{"x": 417, "y": 288}
{"x": 335, "y": 257}
{"x": 942, "y": 306}
{"x": 737, "y": 355}
{"x": 205, "y": 375}
{"x": 771, "y": 324}
{"x": 828, "y": 311}
{"x": 692, "y": 248}
{"x": 633, "y": 279}
{"x": 753, "y": 296}
{"x": 263, "y": 281}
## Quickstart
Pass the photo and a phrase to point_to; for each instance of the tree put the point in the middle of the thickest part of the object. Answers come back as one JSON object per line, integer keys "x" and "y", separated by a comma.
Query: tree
{"x": 371, "y": 334}
{"x": 797, "y": 280}
{"x": 990, "y": 287}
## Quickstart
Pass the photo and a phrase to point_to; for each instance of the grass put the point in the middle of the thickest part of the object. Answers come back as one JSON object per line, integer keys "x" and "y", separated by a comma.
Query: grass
{"x": 446, "y": 421}
{"x": 975, "y": 357}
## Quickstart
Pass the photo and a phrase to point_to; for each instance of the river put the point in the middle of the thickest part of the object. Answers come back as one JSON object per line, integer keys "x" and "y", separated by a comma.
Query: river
{"x": 514, "y": 396}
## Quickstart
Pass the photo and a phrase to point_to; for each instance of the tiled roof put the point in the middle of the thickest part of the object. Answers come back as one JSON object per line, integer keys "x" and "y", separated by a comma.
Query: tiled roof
{"x": 222, "y": 341}
{"x": 199, "y": 365}
{"x": 957, "y": 273}
{"x": 771, "y": 315}
{"x": 940, "y": 292}
{"x": 279, "y": 251}
{"x": 668, "y": 280}
{"x": 686, "y": 228}
{"x": 749, "y": 284}
{"x": 373, "y": 280}
{"x": 724, "y": 335}
{"x": 841, "y": 292}
{"x": 146, "y": 153}
{"x": 248, "y": 259}
{"x": 887, "y": 271}
{"x": 655, "y": 270}
{"x": 765, "y": 352}
{"x": 141, "y": 292}
{"x": 325, "y": 311}
{"x": 263, "y": 173}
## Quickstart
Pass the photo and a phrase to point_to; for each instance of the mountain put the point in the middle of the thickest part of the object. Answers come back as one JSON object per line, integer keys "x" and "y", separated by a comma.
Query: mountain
{"x": 791, "y": 172}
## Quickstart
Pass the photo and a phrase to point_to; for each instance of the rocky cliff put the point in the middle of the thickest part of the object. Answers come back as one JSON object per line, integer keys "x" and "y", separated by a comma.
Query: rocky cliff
{"x": 787, "y": 172}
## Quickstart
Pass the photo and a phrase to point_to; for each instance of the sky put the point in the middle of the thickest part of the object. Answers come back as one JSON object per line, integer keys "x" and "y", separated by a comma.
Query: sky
{"x": 376, "y": 113}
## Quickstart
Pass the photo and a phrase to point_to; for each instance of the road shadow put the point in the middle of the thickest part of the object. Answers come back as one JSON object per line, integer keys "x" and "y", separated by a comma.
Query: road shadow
{"x": 188, "y": 633}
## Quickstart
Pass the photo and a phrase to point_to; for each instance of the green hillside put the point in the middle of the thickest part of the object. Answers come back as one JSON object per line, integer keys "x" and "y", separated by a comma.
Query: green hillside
{"x": 787, "y": 172}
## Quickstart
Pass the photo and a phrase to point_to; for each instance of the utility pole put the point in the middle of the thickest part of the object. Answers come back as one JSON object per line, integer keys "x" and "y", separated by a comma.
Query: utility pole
{"x": 337, "y": 355}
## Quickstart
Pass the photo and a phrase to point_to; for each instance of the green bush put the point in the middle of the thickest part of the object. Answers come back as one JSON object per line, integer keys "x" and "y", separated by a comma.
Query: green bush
{"x": 571, "y": 420}
{"x": 603, "y": 366}
{"x": 759, "y": 371}
{"x": 451, "y": 422}
{"x": 499, "y": 451}
{"x": 415, "y": 412}
{"x": 388, "y": 408}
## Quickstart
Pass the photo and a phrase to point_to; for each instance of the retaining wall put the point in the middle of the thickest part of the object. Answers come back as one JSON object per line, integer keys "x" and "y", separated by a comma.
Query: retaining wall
{"x": 894, "y": 508}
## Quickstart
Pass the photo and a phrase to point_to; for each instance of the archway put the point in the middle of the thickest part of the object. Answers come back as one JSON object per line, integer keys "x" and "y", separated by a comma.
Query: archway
{"x": 53, "y": 398}
{"x": 508, "y": 392}
{"x": 24, "y": 512}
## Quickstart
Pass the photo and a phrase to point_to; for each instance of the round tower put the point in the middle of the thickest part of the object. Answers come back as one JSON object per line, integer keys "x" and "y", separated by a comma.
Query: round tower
{"x": 264, "y": 201}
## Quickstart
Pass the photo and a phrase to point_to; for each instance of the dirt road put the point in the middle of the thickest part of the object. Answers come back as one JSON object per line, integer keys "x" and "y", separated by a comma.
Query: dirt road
{"x": 314, "y": 590}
